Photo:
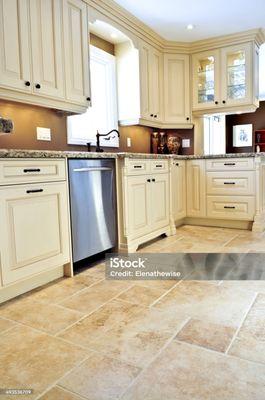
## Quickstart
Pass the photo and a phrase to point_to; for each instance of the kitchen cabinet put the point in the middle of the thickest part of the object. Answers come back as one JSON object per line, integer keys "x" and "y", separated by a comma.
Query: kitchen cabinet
{"x": 196, "y": 191}
{"x": 177, "y": 104}
{"x": 151, "y": 75}
{"x": 226, "y": 78}
{"x": 44, "y": 58}
{"x": 178, "y": 188}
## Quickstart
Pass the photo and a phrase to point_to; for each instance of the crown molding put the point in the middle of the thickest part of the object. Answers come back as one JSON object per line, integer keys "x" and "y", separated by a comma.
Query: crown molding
{"x": 136, "y": 29}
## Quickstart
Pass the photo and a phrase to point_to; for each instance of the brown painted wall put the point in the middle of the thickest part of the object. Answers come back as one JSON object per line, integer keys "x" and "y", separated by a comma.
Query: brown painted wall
{"x": 257, "y": 119}
{"x": 102, "y": 44}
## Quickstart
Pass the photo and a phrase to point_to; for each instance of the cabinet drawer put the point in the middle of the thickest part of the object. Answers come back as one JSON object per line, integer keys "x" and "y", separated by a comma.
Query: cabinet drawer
{"x": 138, "y": 167}
{"x": 230, "y": 164}
{"x": 159, "y": 165}
{"x": 231, "y": 207}
{"x": 233, "y": 183}
{"x": 29, "y": 171}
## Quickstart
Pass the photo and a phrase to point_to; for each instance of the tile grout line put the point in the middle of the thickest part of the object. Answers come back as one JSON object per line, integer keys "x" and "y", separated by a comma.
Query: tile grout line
{"x": 240, "y": 325}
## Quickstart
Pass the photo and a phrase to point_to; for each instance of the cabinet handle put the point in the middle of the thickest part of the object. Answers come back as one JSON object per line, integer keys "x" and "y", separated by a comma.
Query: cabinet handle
{"x": 148, "y": 180}
{"x": 216, "y": 102}
{"x": 34, "y": 191}
{"x": 159, "y": 166}
{"x": 177, "y": 164}
{"x": 153, "y": 180}
{"x": 155, "y": 116}
{"x": 230, "y": 207}
{"x": 88, "y": 98}
{"x": 37, "y": 86}
{"x": 231, "y": 163}
{"x": 188, "y": 118}
{"x": 224, "y": 101}
{"x": 31, "y": 170}
{"x": 137, "y": 166}
{"x": 27, "y": 83}
{"x": 229, "y": 183}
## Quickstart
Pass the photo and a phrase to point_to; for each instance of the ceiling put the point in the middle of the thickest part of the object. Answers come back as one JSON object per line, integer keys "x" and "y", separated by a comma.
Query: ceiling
{"x": 169, "y": 18}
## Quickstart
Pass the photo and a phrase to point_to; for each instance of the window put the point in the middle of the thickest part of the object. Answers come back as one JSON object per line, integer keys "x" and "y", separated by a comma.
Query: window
{"x": 214, "y": 134}
{"x": 103, "y": 115}
{"x": 262, "y": 72}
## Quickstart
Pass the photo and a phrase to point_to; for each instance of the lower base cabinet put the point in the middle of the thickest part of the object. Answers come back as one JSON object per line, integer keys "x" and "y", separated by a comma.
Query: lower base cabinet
{"x": 34, "y": 233}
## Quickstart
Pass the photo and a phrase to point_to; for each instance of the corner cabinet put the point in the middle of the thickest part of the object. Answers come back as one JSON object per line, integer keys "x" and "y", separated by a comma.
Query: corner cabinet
{"x": 44, "y": 53}
{"x": 226, "y": 79}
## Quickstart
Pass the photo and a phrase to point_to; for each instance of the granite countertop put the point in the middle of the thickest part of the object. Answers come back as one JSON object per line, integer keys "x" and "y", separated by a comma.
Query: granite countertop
{"x": 16, "y": 153}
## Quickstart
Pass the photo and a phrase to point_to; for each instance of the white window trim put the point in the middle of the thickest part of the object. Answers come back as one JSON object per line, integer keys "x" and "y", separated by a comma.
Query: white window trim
{"x": 110, "y": 63}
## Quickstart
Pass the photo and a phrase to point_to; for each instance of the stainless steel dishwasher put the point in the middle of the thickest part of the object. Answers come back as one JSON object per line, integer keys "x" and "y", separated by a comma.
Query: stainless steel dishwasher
{"x": 93, "y": 206}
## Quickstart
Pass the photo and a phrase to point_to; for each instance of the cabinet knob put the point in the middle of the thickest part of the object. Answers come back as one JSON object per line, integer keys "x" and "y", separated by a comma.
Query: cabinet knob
{"x": 177, "y": 164}
{"x": 27, "y": 83}
{"x": 155, "y": 116}
{"x": 216, "y": 102}
{"x": 224, "y": 101}
{"x": 188, "y": 118}
{"x": 37, "y": 86}
{"x": 88, "y": 98}
{"x": 151, "y": 115}
{"x": 148, "y": 180}
{"x": 153, "y": 180}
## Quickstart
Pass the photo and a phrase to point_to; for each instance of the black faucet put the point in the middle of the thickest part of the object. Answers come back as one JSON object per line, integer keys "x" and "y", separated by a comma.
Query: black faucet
{"x": 98, "y": 148}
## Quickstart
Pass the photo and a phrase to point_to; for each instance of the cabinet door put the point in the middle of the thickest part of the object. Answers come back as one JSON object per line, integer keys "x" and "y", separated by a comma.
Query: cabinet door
{"x": 237, "y": 72}
{"x": 177, "y": 89}
{"x": 196, "y": 193}
{"x": 47, "y": 50}
{"x": 206, "y": 78}
{"x": 75, "y": 22}
{"x": 137, "y": 206}
{"x": 14, "y": 45}
{"x": 145, "y": 80}
{"x": 159, "y": 201}
{"x": 34, "y": 233}
{"x": 178, "y": 185}
{"x": 156, "y": 91}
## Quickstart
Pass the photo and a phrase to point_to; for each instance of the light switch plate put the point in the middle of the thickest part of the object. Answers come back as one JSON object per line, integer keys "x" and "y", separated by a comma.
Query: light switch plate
{"x": 185, "y": 142}
{"x": 43, "y": 134}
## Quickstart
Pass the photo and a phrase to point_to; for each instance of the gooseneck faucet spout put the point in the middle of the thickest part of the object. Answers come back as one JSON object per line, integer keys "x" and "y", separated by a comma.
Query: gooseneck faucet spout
{"x": 98, "y": 148}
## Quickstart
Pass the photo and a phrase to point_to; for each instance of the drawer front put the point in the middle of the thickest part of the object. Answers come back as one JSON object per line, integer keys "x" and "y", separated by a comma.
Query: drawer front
{"x": 234, "y": 183}
{"x": 159, "y": 165}
{"x": 230, "y": 164}
{"x": 30, "y": 171}
{"x": 138, "y": 167}
{"x": 231, "y": 207}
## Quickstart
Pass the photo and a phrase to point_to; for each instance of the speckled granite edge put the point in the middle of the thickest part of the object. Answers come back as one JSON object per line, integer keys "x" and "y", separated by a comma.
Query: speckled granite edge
{"x": 13, "y": 153}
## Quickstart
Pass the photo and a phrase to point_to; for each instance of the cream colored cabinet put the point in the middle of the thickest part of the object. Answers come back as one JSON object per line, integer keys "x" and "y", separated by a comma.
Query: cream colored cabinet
{"x": 225, "y": 79}
{"x": 159, "y": 201}
{"x": 47, "y": 48}
{"x": 44, "y": 57}
{"x": 15, "y": 68}
{"x": 151, "y": 74}
{"x": 177, "y": 90}
{"x": 75, "y": 23}
{"x": 178, "y": 189}
{"x": 196, "y": 191}
{"x": 34, "y": 229}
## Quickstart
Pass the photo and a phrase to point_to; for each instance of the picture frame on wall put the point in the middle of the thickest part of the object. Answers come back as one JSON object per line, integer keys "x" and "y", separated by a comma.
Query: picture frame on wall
{"x": 242, "y": 135}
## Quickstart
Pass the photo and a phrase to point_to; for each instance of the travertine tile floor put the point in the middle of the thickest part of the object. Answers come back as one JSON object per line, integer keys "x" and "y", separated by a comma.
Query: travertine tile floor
{"x": 89, "y": 338}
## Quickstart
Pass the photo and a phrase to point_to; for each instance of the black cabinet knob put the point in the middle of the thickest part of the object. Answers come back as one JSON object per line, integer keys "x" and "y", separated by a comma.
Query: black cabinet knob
{"x": 148, "y": 180}
{"x": 188, "y": 118}
{"x": 216, "y": 102}
{"x": 153, "y": 180}
{"x": 88, "y": 98}
{"x": 177, "y": 164}
{"x": 27, "y": 83}
{"x": 37, "y": 86}
{"x": 155, "y": 115}
{"x": 224, "y": 101}
{"x": 151, "y": 115}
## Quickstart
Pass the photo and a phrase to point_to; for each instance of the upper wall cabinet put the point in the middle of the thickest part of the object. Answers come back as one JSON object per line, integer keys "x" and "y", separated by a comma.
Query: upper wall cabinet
{"x": 226, "y": 79}
{"x": 44, "y": 53}
{"x": 177, "y": 90}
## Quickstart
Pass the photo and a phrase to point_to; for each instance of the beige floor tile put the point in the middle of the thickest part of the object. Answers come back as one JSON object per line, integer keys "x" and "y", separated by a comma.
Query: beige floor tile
{"x": 99, "y": 322}
{"x": 57, "y": 393}
{"x": 250, "y": 342}
{"x": 253, "y": 242}
{"x": 186, "y": 372}
{"x": 35, "y": 360}
{"x": 59, "y": 291}
{"x": 208, "y": 302}
{"x": 46, "y": 317}
{"x": 206, "y": 334}
{"x": 157, "y": 283}
{"x": 95, "y": 296}
{"x": 139, "y": 338}
{"x": 97, "y": 271}
{"x": 100, "y": 378}
{"x": 141, "y": 295}
{"x": 6, "y": 325}
{"x": 252, "y": 286}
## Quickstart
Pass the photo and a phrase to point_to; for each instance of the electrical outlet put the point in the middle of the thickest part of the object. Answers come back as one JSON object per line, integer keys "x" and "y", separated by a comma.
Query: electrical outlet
{"x": 129, "y": 142}
{"x": 185, "y": 143}
{"x": 43, "y": 134}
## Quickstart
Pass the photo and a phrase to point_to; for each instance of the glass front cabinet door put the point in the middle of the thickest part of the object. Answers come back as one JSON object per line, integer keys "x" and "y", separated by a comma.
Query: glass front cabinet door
{"x": 237, "y": 72}
{"x": 206, "y": 79}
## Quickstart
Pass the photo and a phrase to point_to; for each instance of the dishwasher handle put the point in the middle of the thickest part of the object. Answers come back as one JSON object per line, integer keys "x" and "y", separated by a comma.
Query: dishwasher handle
{"x": 90, "y": 169}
